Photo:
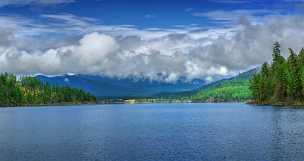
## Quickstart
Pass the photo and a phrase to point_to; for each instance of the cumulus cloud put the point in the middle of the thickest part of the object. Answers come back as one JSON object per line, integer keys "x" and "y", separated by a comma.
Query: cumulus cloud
{"x": 155, "y": 53}
{"x": 90, "y": 51}
{"x": 27, "y": 2}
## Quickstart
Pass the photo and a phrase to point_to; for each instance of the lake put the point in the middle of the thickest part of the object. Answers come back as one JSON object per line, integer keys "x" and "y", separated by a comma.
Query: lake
{"x": 152, "y": 132}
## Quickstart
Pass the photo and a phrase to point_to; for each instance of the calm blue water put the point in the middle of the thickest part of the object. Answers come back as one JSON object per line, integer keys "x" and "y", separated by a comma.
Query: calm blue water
{"x": 156, "y": 132}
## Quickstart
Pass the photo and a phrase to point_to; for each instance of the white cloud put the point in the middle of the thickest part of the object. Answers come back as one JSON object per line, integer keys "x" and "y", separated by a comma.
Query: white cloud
{"x": 90, "y": 51}
{"x": 94, "y": 48}
{"x": 234, "y": 16}
{"x": 28, "y": 2}
{"x": 70, "y": 19}
{"x": 154, "y": 53}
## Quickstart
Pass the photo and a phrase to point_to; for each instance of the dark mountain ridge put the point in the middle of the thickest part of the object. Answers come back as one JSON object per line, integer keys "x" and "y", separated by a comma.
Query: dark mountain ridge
{"x": 107, "y": 87}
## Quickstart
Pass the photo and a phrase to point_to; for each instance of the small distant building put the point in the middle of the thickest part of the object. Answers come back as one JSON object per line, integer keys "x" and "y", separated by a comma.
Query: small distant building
{"x": 130, "y": 101}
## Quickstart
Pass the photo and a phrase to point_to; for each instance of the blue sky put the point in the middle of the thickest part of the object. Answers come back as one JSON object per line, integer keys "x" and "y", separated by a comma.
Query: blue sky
{"x": 149, "y": 13}
{"x": 163, "y": 40}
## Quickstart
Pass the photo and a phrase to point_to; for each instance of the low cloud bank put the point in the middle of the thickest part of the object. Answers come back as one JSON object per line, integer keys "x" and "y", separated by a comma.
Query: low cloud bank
{"x": 157, "y": 54}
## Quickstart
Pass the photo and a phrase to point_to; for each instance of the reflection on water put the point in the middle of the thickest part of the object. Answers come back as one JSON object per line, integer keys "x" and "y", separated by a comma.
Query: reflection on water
{"x": 156, "y": 132}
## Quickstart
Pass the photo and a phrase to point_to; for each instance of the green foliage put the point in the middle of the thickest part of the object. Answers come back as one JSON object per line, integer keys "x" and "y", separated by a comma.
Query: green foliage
{"x": 230, "y": 90}
{"x": 282, "y": 82}
{"x": 30, "y": 91}
{"x": 255, "y": 87}
{"x": 235, "y": 89}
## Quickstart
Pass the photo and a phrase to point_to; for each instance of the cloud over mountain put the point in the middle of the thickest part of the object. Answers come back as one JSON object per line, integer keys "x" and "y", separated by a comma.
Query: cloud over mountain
{"x": 155, "y": 53}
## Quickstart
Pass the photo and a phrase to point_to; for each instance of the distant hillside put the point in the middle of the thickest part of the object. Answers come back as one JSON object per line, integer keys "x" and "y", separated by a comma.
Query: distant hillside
{"x": 232, "y": 89}
{"x": 105, "y": 87}
{"x": 27, "y": 91}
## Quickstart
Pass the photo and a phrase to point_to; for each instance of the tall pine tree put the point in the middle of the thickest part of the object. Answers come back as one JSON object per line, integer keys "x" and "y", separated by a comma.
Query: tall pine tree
{"x": 283, "y": 81}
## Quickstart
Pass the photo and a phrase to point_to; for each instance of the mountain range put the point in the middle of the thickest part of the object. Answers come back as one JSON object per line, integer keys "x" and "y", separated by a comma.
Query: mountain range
{"x": 236, "y": 87}
{"x": 107, "y": 87}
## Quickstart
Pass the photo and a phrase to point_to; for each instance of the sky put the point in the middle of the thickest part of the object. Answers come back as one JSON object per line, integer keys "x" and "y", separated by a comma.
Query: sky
{"x": 154, "y": 39}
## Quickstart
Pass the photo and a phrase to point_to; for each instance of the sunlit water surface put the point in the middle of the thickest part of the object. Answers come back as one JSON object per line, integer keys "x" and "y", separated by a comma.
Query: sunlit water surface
{"x": 154, "y": 132}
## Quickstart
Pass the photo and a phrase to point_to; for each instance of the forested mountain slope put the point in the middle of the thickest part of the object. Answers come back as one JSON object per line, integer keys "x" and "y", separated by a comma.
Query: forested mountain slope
{"x": 30, "y": 91}
{"x": 107, "y": 87}
{"x": 226, "y": 90}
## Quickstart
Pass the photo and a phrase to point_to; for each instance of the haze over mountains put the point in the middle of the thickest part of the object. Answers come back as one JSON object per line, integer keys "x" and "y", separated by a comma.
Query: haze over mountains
{"x": 106, "y": 87}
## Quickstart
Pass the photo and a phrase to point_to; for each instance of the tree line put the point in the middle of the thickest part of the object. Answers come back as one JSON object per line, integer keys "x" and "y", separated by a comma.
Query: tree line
{"x": 30, "y": 91}
{"x": 282, "y": 81}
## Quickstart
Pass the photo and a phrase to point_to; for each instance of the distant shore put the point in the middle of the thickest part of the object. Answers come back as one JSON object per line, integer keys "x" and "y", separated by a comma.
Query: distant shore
{"x": 53, "y": 104}
{"x": 121, "y": 101}
{"x": 281, "y": 104}
{"x": 156, "y": 101}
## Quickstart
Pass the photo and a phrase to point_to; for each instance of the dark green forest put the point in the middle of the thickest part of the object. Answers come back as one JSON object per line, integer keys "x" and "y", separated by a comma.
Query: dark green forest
{"x": 30, "y": 91}
{"x": 282, "y": 81}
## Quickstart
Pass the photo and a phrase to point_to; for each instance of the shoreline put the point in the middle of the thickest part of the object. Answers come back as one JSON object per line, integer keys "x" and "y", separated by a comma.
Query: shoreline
{"x": 46, "y": 105}
{"x": 156, "y": 101}
{"x": 118, "y": 102}
{"x": 277, "y": 104}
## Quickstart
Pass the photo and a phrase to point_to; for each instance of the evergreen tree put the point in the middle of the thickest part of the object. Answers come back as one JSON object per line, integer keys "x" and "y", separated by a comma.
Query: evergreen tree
{"x": 283, "y": 81}
{"x": 294, "y": 81}
{"x": 301, "y": 72}
{"x": 276, "y": 55}
{"x": 255, "y": 87}
{"x": 30, "y": 91}
{"x": 280, "y": 91}
{"x": 265, "y": 90}
{"x": 301, "y": 56}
